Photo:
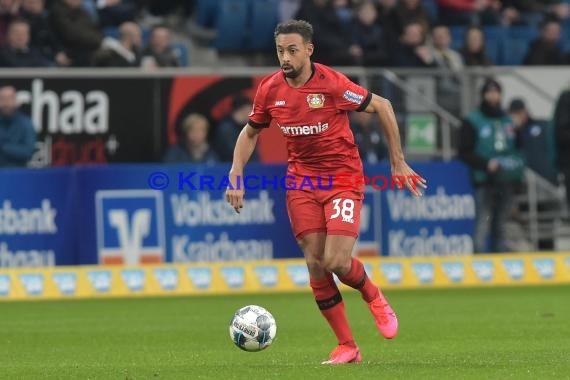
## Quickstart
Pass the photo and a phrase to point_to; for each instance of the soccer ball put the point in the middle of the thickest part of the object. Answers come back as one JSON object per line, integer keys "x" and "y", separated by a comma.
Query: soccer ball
{"x": 253, "y": 328}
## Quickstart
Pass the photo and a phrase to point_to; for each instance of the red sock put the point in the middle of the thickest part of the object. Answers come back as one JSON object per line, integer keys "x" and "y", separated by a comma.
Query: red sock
{"x": 358, "y": 279}
{"x": 331, "y": 305}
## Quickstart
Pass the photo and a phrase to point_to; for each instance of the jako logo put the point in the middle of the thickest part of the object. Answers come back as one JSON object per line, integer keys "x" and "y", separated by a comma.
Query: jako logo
{"x": 299, "y": 274}
{"x": 454, "y": 270}
{"x": 514, "y": 268}
{"x": 130, "y": 226}
{"x": 201, "y": 277}
{"x": 267, "y": 275}
{"x": 4, "y": 285}
{"x": 544, "y": 267}
{"x": 424, "y": 272}
{"x": 166, "y": 278}
{"x": 33, "y": 283}
{"x": 100, "y": 280}
{"x": 392, "y": 272}
{"x": 133, "y": 279}
{"x": 66, "y": 282}
{"x": 483, "y": 269}
{"x": 233, "y": 276}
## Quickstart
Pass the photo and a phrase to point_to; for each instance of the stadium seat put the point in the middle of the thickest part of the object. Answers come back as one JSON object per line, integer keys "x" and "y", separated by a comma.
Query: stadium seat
{"x": 514, "y": 52}
{"x": 206, "y": 12}
{"x": 457, "y": 36}
{"x": 523, "y": 33}
{"x": 264, "y": 18}
{"x": 432, "y": 9}
{"x": 232, "y": 26}
{"x": 495, "y": 37}
{"x": 181, "y": 52}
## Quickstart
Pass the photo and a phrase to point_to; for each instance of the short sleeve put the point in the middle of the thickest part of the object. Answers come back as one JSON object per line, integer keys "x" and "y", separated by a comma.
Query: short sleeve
{"x": 259, "y": 117}
{"x": 350, "y": 96}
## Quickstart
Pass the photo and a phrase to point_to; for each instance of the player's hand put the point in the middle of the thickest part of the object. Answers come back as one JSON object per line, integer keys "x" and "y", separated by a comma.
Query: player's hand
{"x": 413, "y": 180}
{"x": 235, "y": 192}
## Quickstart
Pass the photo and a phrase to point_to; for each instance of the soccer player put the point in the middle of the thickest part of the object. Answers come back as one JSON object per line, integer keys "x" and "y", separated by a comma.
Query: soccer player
{"x": 310, "y": 102}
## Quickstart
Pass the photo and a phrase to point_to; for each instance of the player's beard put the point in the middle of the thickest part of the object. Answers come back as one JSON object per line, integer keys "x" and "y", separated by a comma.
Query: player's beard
{"x": 293, "y": 73}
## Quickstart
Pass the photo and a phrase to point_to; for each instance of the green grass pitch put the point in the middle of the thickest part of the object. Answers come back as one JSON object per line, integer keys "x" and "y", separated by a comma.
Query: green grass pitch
{"x": 486, "y": 333}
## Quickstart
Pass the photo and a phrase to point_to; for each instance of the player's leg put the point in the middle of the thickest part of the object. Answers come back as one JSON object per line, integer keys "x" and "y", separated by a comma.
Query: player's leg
{"x": 308, "y": 224}
{"x": 343, "y": 221}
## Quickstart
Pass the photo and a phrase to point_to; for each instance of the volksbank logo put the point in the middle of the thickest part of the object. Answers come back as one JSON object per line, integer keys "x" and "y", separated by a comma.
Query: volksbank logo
{"x": 201, "y": 277}
{"x": 167, "y": 278}
{"x": 233, "y": 276}
{"x": 392, "y": 272}
{"x": 454, "y": 270}
{"x": 4, "y": 285}
{"x": 483, "y": 269}
{"x": 544, "y": 267}
{"x": 133, "y": 279}
{"x": 130, "y": 226}
{"x": 65, "y": 282}
{"x": 267, "y": 275}
{"x": 423, "y": 272}
{"x": 100, "y": 280}
{"x": 33, "y": 283}
{"x": 299, "y": 274}
{"x": 514, "y": 268}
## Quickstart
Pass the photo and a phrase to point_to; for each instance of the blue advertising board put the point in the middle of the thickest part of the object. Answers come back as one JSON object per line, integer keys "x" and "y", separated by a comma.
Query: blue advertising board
{"x": 36, "y": 219}
{"x": 135, "y": 214}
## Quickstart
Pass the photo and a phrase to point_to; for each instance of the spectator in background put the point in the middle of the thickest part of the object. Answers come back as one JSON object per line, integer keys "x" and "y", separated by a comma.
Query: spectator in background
{"x": 193, "y": 146}
{"x": 229, "y": 128}
{"x": 469, "y": 12}
{"x": 487, "y": 144}
{"x": 368, "y": 34}
{"x": 473, "y": 51}
{"x": 368, "y": 137}
{"x": 412, "y": 50}
{"x": 9, "y": 10}
{"x": 531, "y": 12}
{"x": 41, "y": 35}
{"x": 17, "y": 52}
{"x": 80, "y": 36}
{"x": 448, "y": 86}
{"x": 288, "y": 9}
{"x": 406, "y": 12}
{"x": 17, "y": 133}
{"x": 159, "y": 52}
{"x": 384, "y": 10}
{"x": 442, "y": 52}
{"x": 545, "y": 50}
{"x": 115, "y": 12}
{"x": 331, "y": 36}
{"x": 562, "y": 137}
{"x": 124, "y": 52}
{"x": 534, "y": 140}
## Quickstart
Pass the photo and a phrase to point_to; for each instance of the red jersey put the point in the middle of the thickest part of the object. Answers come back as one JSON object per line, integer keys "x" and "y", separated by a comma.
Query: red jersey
{"x": 314, "y": 120}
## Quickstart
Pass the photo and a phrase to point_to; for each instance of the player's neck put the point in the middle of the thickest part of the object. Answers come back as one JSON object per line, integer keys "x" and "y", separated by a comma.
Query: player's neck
{"x": 303, "y": 78}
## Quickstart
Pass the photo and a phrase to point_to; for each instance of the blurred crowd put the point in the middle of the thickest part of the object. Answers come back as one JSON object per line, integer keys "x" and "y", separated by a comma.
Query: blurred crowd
{"x": 84, "y": 33}
{"x": 409, "y": 33}
{"x": 412, "y": 33}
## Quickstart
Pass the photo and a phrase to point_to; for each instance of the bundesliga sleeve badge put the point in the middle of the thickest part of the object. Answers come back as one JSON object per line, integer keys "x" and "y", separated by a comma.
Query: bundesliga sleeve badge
{"x": 316, "y": 100}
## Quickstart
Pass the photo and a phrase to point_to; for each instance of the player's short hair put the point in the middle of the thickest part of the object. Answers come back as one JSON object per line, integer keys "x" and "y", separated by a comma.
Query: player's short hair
{"x": 301, "y": 27}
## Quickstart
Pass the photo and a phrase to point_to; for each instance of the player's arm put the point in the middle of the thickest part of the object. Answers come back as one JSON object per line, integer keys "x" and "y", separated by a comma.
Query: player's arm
{"x": 383, "y": 108}
{"x": 245, "y": 145}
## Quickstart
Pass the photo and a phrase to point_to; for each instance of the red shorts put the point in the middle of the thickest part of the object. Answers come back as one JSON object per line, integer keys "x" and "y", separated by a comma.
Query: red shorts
{"x": 332, "y": 212}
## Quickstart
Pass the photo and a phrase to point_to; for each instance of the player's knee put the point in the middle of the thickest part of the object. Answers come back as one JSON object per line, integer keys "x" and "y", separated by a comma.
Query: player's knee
{"x": 337, "y": 264}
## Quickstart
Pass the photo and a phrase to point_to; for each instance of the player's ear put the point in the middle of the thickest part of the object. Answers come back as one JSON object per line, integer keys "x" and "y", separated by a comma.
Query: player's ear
{"x": 310, "y": 48}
